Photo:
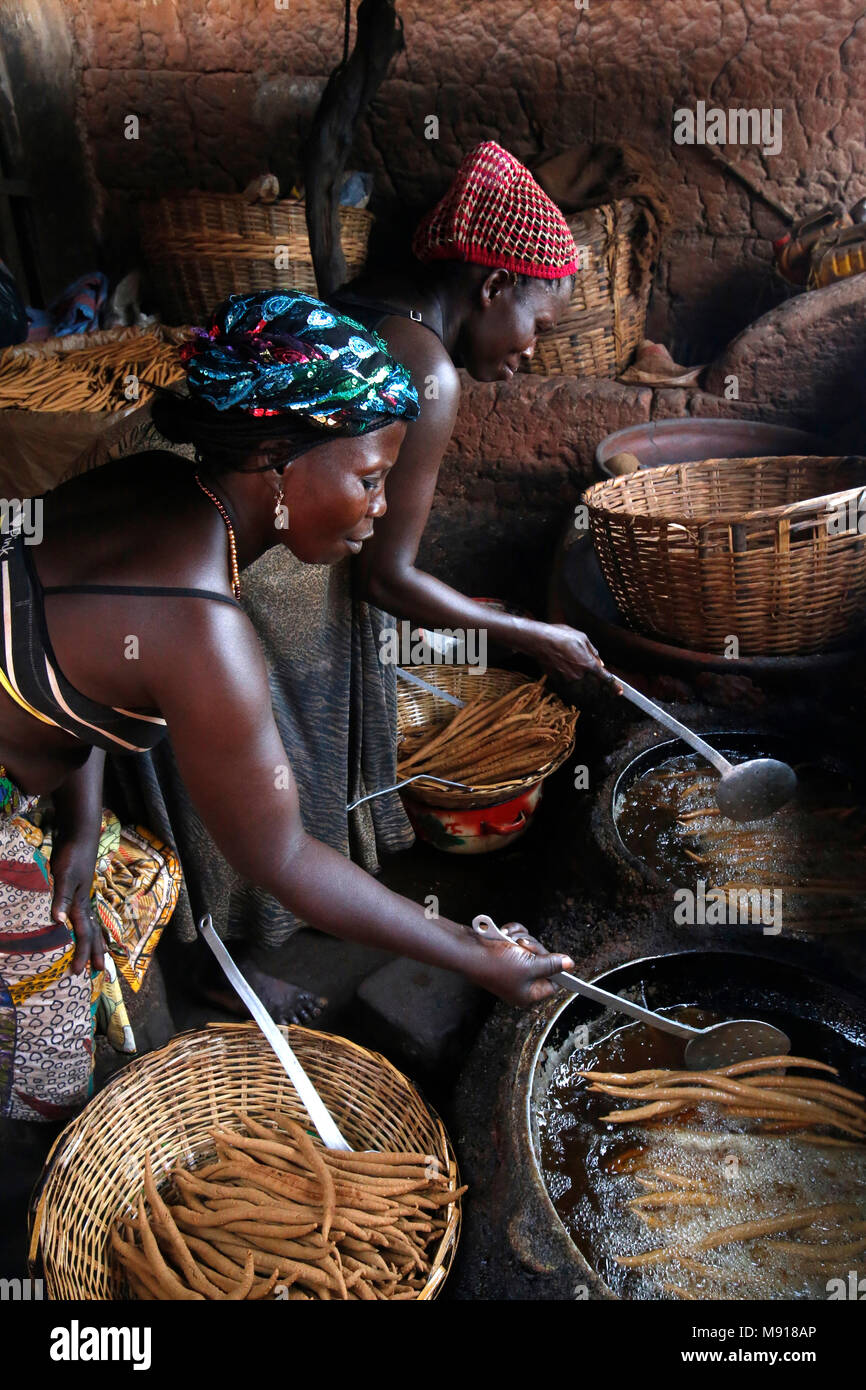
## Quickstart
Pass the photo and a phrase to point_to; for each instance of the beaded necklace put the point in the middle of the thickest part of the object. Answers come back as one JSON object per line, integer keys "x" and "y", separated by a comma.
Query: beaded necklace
{"x": 233, "y": 548}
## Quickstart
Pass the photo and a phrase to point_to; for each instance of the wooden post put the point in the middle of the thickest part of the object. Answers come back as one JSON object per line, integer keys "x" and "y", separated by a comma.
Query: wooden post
{"x": 350, "y": 89}
{"x": 46, "y": 202}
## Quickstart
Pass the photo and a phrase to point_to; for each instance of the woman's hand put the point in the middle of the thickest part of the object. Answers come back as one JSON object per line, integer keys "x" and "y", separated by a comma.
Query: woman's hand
{"x": 77, "y": 825}
{"x": 564, "y": 650}
{"x": 73, "y": 862}
{"x": 520, "y": 972}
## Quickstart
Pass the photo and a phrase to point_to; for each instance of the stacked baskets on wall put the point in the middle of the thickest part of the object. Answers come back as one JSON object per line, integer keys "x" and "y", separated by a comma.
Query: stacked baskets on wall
{"x": 599, "y": 332}
{"x": 768, "y": 551}
{"x": 202, "y": 247}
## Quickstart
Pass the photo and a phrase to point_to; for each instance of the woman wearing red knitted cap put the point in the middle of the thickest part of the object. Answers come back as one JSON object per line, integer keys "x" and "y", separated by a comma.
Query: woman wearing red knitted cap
{"x": 495, "y": 262}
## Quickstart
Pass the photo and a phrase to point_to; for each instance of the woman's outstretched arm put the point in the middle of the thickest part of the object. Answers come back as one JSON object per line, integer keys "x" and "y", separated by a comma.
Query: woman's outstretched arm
{"x": 390, "y": 575}
{"x": 213, "y": 692}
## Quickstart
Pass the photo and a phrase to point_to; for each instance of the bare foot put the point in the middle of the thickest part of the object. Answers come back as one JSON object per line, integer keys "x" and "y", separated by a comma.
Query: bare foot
{"x": 284, "y": 1002}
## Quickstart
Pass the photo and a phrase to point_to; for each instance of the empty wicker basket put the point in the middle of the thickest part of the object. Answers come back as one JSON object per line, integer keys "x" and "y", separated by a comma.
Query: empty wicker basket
{"x": 202, "y": 247}
{"x": 600, "y": 331}
{"x": 166, "y": 1103}
{"x": 768, "y": 551}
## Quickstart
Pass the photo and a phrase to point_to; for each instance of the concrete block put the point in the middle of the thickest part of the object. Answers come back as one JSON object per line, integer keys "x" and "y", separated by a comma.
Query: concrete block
{"x": 421, "y": 1016}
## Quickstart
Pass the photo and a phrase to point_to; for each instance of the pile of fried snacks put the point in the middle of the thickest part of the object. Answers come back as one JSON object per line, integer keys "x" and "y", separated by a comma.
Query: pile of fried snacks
{"x": 494, "y": 740}
{"x": 276, "y": 1215}
{"x": 745, "y": 1091}
{"x": 104, "y": 377}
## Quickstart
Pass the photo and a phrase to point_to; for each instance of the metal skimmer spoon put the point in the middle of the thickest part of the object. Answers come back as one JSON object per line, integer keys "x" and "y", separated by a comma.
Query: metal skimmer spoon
{"x": 323, "y": 1121}
{"x": 747, "y": 791}
{"x": 719, "y": 1045}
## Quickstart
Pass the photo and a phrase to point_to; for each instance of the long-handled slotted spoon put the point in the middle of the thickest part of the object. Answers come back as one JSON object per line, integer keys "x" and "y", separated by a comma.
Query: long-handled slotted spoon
{"x": 746, "y": 791}
{"x": 309, "y": 1096}
{"x": 719, "y": 1045}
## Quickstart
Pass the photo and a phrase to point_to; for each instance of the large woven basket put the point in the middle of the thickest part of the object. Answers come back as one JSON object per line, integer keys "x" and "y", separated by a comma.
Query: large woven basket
{"x": 202, "y": 247}
{"x": 417, "y": 709}
{"x": 165, "y": 1104}
{"x": 605, "y": 321}
{"x": 765, "y": 550}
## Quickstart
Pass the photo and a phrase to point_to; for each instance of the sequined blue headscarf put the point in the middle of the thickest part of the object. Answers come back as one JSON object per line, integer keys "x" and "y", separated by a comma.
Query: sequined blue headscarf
{"x": 283, "y": 353}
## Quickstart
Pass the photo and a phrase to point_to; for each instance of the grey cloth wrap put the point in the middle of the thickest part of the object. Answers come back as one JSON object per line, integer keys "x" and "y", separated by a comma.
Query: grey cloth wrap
{"x": 335, "y": 705}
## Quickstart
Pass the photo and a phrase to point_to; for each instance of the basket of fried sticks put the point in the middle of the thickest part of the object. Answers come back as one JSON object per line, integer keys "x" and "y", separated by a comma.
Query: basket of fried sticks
{"x": 101, "y": 372}
{"x": 511, "y": 733}
{"x": 195, "y": 1175}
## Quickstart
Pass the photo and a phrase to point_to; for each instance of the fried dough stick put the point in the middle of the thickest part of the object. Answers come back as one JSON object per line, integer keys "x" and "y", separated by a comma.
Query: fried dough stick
{"x": 786, "y": 1099}
{"x": 743, "y": 1230}
{"x": 675, "y": 1199}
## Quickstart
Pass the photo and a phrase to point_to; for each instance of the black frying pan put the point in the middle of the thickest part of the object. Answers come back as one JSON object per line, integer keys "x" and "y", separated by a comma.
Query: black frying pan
{"x": 824, "y": 1020}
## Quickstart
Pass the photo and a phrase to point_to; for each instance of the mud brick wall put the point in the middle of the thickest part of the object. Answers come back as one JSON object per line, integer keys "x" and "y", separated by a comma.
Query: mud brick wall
{"x": 227, "y": 88}
{"x": 520, "y": 457}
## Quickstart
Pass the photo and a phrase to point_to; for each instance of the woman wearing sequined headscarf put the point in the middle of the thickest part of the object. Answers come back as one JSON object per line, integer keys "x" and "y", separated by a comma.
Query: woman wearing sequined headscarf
{"x": 334, "y": 705}
{"x": 124, "y": 625}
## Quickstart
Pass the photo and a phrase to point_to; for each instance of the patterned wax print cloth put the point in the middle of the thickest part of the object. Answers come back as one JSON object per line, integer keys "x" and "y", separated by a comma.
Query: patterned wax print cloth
{"x": 46, "y": 1013}
{"x": 135, "y": 891}
{"x": 48, "y": 1016}
{"x": 137, "y": 886}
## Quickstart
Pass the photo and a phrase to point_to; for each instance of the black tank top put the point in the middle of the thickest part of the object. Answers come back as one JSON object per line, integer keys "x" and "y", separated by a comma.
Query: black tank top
{"x": 371, "y": 312}
{"x": 29, "y": 672}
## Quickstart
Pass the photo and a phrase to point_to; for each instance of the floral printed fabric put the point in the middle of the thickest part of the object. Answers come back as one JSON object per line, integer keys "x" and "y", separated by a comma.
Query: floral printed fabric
{"x": 136, "y": 889}
{"x": 46, "y": 1020}
{"x": 47, "y": 1015}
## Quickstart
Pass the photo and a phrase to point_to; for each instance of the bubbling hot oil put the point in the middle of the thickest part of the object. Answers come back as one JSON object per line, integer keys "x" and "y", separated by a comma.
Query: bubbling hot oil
{"x": 593, "y": 1169}
{"x": 812, "y": 852}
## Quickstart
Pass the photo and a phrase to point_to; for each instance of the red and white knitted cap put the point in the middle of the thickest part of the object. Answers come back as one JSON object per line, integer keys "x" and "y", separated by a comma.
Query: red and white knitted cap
{"x": 495, "y": 214}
